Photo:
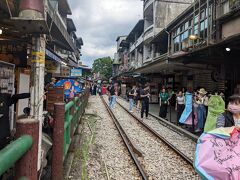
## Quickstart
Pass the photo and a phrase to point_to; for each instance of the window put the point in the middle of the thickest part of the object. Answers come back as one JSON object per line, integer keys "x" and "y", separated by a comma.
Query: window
{"x": 178, "y": 30}
{"x": 196, "y": 19}
{"x": 202, "y": 26}
{"x": 202, "y": 14}
{"x": 195, "y": 29}
{"x": 186, "y": 25}
{"x": 176, "y": 43}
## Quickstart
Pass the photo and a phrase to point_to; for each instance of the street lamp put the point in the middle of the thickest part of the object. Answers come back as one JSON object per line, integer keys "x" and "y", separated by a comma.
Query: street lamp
{"x": 194, "y": 37}
{"x": 1, "y": 31}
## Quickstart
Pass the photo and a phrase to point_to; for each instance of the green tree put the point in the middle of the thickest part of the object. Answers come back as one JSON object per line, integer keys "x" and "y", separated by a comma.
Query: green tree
{"x": 103, "y": 66}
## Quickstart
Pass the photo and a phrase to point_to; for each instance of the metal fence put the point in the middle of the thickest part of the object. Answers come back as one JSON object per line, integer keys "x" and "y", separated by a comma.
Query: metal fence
{"x": 73, "y": 112}
{"x": 13, "y": 152}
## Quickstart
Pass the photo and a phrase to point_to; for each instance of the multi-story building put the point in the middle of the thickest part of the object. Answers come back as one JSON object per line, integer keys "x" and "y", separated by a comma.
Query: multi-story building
{"x": 121, "y": 57}
{"x": 195, "y": 48}
{"x": 157, "y": 14}
{"x": 206, "y": 37}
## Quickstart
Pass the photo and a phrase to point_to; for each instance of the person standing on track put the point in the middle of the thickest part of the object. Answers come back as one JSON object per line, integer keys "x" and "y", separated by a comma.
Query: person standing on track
{"x": 145, "y": 95}
{"x": 131, "y": 96}
{"x": 111, "y": 91}
{"x": 163, "y": 102}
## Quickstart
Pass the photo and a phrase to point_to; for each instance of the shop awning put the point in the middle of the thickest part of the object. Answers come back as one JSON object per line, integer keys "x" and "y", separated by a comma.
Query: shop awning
{"x": 53, "y": 56}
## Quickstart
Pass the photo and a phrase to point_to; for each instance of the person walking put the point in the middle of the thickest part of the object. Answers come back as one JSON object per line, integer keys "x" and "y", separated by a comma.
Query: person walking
{"x": 163, "y": 102}
{"x": 113, "y": 92}
{"x": 131, "y": 96}
{"x": 145, "y": 95}
{"x": 180, "y": 105}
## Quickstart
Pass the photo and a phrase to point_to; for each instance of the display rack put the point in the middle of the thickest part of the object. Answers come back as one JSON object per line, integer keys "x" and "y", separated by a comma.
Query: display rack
{"x": 154, "y": 93}
{"x": 7, "y": 77}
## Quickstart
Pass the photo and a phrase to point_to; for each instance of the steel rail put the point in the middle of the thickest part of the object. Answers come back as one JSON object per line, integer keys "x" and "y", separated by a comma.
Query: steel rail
{"x": 172, "y": 126}
{"x": 164, "y": 140}
{"x": 126, "y": 141}
{"x": 175, "y": 128}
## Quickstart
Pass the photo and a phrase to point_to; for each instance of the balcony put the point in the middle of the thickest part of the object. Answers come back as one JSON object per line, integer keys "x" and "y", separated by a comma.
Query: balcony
{"x": 148, "y": 33}
{"x": 59, "y": 30}
{"x": 139, "y": 41}
{"x": 132, "y": 48}
{"x": 227, "y": 8}
{"x": 147, "y": 3}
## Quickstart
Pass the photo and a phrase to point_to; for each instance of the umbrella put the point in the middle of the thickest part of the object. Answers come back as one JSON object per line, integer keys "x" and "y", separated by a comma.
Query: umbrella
{"x": 217, "y": 154}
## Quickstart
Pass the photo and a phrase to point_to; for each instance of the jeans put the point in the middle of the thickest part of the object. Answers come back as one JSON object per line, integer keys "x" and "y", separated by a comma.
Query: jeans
{"x": 131, "y": 104}
{"x": 201, "y": 115}
{"x": 113, "y": 101}
{"x": 145, "y": 107}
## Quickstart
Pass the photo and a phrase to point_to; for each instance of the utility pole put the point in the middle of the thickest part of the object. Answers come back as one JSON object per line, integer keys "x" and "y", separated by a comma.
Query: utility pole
{"x": 32, "y": 10}
{"x": 37, "y": 84}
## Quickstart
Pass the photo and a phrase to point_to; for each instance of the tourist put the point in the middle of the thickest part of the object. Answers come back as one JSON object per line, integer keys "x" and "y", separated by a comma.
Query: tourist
{"x": 50, "y": 84}
{"x": 180, "y": 105}
{"x": 94, "y": 89}
{"x": 145, "y": 95}
{"x": 163, "y": 102}
{"x": 202, "y": 101}
{"x": 131, "y": 96}
{"x": 138, "y": 97}
{"x": 231, "y": 117}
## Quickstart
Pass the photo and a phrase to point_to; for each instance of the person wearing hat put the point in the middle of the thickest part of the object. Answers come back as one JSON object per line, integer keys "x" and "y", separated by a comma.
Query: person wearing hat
{"x": 51, "y": 84}
{"x": 202, "y": 102}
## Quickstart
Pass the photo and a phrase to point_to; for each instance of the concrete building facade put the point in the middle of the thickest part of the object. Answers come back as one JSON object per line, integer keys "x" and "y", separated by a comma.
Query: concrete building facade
{"x": 195, "y": 47}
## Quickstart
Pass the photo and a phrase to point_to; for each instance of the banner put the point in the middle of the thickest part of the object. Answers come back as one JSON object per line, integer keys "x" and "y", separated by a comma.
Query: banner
{"x": 186, "y": 117}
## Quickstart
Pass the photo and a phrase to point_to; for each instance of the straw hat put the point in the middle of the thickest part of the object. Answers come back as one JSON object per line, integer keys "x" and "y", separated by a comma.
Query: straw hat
{"x": 202, "y": 91}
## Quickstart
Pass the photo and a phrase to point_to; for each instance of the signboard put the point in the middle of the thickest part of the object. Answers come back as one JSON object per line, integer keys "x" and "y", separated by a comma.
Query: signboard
{"x": 76, "y": 72}
{"x": 51, "y": 66}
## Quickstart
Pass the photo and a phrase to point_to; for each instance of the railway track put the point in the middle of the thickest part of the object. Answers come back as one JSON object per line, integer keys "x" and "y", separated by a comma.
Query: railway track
{"x": 154, "y": 156}
{"x": 180, "y": 139}
{"x": 133, "y": 151}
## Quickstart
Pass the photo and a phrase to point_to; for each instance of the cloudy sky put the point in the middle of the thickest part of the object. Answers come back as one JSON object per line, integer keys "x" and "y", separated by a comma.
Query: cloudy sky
{"x": 99, "y": 22}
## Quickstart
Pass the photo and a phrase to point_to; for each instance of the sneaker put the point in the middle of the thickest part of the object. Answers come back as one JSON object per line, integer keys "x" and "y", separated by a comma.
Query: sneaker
{"x": 131, "y": 111}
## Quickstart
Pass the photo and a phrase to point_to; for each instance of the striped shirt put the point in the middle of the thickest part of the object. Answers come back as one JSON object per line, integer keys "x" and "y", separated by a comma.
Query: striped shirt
{"x": 221, "y": 121}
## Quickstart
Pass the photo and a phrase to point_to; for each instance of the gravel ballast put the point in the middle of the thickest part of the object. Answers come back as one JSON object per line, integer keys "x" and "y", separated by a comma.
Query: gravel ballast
{"x": 160, "y": 161}
{"x": 108, "y": 157}
{"x": 182, "y": 142}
